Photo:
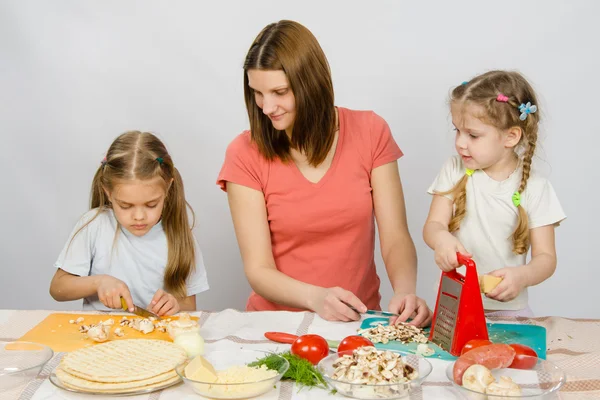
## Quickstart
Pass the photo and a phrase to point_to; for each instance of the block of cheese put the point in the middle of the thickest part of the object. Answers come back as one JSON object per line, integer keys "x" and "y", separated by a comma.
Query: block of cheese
{"x": 487, "y": 283}
{"x": 199, "y": 369}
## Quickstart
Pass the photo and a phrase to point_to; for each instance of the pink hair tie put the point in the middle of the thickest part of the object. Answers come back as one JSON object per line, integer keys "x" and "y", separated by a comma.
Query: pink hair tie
{"x": 502, "y": 98}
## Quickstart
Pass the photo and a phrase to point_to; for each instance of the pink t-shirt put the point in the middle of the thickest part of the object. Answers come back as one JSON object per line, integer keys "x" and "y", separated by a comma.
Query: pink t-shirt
{"x": 321, "y": 233}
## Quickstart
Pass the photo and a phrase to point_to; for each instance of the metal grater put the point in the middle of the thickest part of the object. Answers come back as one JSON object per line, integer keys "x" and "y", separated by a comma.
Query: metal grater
{"x": 447, "y": 308}
{"x": 458, "y": 315}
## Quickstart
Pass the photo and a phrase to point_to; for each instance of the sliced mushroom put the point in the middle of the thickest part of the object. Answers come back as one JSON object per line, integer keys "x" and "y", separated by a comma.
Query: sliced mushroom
{"x": 504, "y": 387}
{"x": 477, "y": 378}
{"x": 146, "y": 326}
{"x": 99, "y": 333}
{"x": 367, "y": 365}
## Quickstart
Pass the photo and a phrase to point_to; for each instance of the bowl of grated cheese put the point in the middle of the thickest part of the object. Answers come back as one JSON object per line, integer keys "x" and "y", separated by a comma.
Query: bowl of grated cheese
{"x": 225, "y": 374}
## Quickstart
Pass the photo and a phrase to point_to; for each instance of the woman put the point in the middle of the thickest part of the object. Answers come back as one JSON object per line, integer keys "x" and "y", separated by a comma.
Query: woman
{"x": 305, "y": 185}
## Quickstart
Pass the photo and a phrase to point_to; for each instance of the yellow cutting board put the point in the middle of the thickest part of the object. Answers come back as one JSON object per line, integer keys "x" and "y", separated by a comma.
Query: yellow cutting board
{"x": 56, "y": 332}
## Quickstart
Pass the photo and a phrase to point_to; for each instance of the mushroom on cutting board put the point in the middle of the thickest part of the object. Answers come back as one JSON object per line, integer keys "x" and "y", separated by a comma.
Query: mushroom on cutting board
{"x": 99, "y": 333}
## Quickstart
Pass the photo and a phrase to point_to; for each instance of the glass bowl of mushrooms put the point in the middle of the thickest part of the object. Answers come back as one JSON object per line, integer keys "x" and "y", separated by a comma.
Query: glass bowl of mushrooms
{"x": 534, "y": 378}
{"x": 368, "y": 373}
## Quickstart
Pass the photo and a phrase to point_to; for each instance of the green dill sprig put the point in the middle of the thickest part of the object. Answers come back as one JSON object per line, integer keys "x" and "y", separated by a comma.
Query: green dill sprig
{"x": 301, "y": 371}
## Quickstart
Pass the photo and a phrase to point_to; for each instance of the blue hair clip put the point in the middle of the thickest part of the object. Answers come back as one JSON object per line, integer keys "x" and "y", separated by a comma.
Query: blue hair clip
{"x": 160, "y": 160}
{"x": 464, "y": 82}
{"x": 526, "y": 109}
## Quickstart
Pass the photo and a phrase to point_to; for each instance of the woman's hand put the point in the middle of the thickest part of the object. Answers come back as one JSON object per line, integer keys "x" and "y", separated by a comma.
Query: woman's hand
{"x": 332, "y": 304}
{"x": 410, "y": 306}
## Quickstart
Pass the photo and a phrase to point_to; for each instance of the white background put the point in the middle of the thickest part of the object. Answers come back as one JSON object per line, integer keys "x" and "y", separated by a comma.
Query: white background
{"x": 74, "y": 75}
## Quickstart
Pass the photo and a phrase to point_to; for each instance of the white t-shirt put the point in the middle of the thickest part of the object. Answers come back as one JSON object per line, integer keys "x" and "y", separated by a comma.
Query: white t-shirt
{"x": 491, "y": 218}
{"x": 140, "y": 262}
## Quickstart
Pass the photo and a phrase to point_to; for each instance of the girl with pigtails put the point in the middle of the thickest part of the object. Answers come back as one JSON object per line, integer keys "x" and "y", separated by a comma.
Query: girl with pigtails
{"x": 136, "y": 241}
{"x": 488, "y": 203}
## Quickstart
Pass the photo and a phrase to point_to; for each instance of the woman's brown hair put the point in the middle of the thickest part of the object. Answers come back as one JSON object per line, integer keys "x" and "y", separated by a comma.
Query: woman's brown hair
{"x": 483, "y": 91}
{"x": 290, "y": 47}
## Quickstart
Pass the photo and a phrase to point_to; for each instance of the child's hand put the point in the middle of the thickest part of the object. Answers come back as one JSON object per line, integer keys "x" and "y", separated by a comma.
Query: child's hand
{"x": 164, "y": 303}
{"x": 512, "y": 283}
{"x": 445, "y": 251}
{"x": 110, "y": 290}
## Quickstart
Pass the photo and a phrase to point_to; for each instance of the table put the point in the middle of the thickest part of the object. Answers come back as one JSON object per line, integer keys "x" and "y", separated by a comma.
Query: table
{"x": 573, "y": 344}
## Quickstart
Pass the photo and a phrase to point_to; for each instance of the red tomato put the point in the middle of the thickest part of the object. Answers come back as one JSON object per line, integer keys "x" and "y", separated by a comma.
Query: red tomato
{"x": 351, "y": 343}
{"x": 473, "y": 344}
{"x": 310, "y": 347}
{"x": 526, "y": 357}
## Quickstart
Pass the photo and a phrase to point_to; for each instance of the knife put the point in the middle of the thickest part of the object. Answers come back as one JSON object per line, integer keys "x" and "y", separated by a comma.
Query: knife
{"x": 139, "y": 310}
{"x": 382, "y": 313}
{"x": 374, "y": 312}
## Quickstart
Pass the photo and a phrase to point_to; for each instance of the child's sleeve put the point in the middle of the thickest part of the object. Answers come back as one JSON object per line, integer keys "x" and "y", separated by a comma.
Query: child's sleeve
{"x": 447, "y": 177}
{"x": 78, "y": 253}
{"x": 197, "y": 282}
{"x": 383, "y": 146}
{"x": 543, "y": 206}
{"x": 243, "y": 164}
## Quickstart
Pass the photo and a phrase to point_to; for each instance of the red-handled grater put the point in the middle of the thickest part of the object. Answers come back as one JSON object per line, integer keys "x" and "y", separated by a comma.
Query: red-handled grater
{"x": 458, "y": 315}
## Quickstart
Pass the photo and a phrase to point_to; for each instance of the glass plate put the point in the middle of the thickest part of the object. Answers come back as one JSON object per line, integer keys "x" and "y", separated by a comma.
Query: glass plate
{"x": 127, "y": 392}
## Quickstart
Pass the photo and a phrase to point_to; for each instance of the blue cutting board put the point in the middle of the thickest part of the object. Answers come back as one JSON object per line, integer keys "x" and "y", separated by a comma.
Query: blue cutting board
{"x": 530, "y": 335}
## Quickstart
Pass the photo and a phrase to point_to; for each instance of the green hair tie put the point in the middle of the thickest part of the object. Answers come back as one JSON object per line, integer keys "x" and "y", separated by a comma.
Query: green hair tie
{"x": 469, "y": 172}
{"x": 516, "y": 199}
{"x": 160, "y": 160}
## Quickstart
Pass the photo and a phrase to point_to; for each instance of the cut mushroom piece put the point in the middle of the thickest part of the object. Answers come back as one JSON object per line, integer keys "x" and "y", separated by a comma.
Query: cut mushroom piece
{"x": 424, "y": 350}
{"x": 99, "y": 333}
{"x": 119, "y": 332}
{"x": 504, "y": 387}
{"x": 146, "y": 326}
{"x": 477, "y": 378}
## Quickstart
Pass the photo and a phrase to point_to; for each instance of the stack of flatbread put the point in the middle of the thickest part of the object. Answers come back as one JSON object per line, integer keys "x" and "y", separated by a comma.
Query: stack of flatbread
{"x": 121, "y": 366}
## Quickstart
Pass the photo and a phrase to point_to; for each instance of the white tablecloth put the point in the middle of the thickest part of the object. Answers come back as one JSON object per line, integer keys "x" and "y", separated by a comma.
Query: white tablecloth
{"x": 572, "y": 344}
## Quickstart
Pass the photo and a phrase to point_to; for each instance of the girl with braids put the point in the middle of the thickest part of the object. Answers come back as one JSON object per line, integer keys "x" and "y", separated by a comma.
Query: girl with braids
{"x": 136, "y": 242}
{"x": 487, "y": 202}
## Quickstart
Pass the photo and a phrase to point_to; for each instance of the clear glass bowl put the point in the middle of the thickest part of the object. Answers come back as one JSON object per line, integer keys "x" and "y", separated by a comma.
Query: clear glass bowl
{"x": 224, "y": 359}
{"x": 377, "y": 391}
{"x": 20, "y": 362}
{"x": 544, "y": 378}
